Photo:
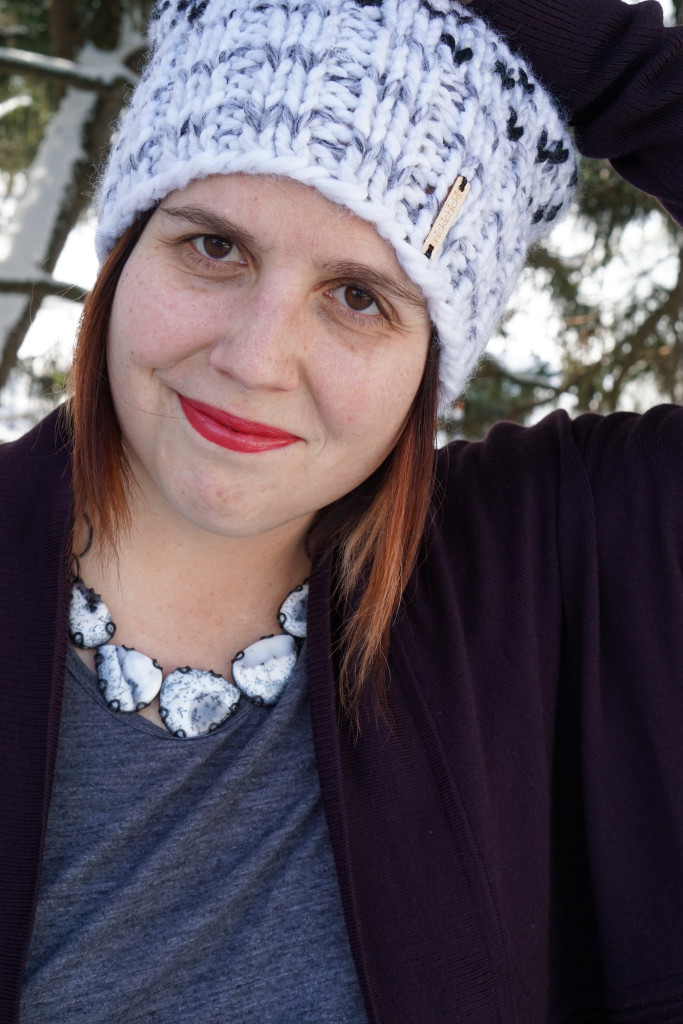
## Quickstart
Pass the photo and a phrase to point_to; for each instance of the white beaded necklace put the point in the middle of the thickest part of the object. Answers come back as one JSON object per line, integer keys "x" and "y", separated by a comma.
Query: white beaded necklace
{"x": 192, "y": 702}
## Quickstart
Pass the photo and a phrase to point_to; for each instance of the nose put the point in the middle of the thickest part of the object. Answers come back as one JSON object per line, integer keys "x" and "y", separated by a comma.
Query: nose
{"x": 264, "y": 337}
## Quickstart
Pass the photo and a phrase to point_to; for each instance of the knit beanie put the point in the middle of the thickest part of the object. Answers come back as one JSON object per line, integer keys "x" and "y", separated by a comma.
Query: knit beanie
{"x": 413, "y": 114}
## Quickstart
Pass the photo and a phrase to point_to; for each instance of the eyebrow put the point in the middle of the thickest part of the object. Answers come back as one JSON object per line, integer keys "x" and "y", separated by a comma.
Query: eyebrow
{"x": 383, "y": 282}
{"x": 214, "y": 224}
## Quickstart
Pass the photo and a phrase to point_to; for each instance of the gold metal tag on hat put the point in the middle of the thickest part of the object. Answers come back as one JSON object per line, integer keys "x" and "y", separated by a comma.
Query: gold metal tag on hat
{"x": 452, "y": 206}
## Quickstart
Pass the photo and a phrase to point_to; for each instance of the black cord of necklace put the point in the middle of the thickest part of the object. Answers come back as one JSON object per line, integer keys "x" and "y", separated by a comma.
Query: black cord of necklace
{"x": 76, "y": 559}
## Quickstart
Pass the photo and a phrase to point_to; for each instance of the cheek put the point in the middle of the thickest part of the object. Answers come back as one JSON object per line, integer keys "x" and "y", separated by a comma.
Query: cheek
{"x": 370, "y": 395}
{"x": 132, "y": 322}
{"x": 150, "y": 321}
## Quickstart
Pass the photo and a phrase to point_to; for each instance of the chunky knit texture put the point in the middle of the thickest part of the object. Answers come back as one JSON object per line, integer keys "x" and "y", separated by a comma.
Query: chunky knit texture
{"x": 378, "y": 104}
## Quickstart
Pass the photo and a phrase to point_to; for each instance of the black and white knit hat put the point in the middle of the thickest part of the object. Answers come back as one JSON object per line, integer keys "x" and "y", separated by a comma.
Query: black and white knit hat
{"x": 392, "y": 108}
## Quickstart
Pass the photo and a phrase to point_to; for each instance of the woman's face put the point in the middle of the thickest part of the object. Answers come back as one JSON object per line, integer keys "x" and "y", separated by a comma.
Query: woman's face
{"x": 264, "y": 351}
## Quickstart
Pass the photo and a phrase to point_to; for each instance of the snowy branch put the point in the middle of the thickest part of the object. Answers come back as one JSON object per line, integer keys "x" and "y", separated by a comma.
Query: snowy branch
{"x": 41, "y": 287}
{"x": 60, "y": 178}
{"x": 28, "y": 244}
{"x": 14, "y": 103}
{"x": 101, "y": 79}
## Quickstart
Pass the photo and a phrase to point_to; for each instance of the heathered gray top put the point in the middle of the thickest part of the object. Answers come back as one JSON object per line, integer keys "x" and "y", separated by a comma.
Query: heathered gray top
{"x": 188, "y": 880}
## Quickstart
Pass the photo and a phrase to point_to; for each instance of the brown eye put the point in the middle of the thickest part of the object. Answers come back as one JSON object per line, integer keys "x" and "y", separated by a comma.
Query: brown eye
{"x": 216, "y": 248}
{"x": 356, "y": 299}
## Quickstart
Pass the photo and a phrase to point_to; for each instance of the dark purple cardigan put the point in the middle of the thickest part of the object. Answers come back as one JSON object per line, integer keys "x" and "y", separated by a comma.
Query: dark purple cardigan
{"x": 512, "y": 850}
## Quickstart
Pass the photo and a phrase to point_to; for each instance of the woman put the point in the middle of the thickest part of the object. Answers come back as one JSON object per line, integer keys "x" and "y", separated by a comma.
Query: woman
{"x": 460, "y": 799}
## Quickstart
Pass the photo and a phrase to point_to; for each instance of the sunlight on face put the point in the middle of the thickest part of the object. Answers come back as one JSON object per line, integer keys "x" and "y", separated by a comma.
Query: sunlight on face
{"x": 264, "y": 352}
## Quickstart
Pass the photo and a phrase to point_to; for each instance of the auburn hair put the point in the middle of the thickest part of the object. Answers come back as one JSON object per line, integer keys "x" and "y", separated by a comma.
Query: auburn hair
{"x": 376, "y": 530}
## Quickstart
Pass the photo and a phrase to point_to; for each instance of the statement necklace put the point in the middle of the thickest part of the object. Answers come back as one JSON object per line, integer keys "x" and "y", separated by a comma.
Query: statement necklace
{"x": 192, "y": 702}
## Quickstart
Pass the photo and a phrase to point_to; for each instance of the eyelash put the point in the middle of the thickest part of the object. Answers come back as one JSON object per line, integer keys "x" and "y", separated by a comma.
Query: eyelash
{"x": 205, "y": 261}
{"x": 364, "y": 319}
{"x": 361, "y": 318}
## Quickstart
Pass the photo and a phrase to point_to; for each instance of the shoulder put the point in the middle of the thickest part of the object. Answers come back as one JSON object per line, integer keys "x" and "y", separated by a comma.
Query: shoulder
{"x": 533, "y": 526}
{"x": 43, "y": 451}
{"x": 608, "y": 452}
{"x": 36, "y": 478}
{"x": 499, "y": 491}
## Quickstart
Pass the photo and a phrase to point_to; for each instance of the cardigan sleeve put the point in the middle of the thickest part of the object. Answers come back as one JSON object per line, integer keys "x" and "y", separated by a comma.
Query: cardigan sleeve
{"x": 559, "y": 563}
{"x": 618, "y": 73}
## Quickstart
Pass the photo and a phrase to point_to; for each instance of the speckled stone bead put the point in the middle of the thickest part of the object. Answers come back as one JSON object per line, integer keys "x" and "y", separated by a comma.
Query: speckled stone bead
{"x": 194, "y": 702}
{"x": 90, "y": 623}
{"x": 263, "y": 669}
{"x": 292, "y": 614}
{"x": 128, "y": 679}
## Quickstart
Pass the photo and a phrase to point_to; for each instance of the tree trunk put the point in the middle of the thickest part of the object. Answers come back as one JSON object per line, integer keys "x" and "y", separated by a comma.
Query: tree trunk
{"x": 45, "y": 214}
{"x": 65, "y": 26}
{"x": 60, "y": 178}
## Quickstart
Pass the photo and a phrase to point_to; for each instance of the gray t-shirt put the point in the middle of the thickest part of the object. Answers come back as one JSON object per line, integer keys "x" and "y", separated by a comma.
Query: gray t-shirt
{"x": 188, "y": 880}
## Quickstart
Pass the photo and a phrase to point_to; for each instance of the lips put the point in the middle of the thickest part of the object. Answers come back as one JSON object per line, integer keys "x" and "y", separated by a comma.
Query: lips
{"x": 233, "y": 432}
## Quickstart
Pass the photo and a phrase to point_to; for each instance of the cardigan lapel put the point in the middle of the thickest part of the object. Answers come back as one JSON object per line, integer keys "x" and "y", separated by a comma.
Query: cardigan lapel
{"x": 421, "y": 918}
{"x": 35, "y": 526}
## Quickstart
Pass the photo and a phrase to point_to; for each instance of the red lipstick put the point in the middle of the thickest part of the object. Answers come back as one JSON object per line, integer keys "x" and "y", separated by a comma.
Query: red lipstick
{"x": 232, "y": 431}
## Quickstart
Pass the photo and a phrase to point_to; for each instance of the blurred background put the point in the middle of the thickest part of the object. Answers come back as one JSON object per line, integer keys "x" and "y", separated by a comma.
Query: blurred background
{"x": 595, "y": 324}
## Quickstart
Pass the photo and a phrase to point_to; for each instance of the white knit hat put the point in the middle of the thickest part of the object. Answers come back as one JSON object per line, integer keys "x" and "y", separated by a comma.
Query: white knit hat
{"x": 381, "y": 105}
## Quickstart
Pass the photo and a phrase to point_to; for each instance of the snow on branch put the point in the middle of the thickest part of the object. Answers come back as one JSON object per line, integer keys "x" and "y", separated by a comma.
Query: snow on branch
{"x": 15, "y": 103}
{"x": 26, "y": 243}
{"x": 100, "y": 79}
{"x": 56, "y": 186}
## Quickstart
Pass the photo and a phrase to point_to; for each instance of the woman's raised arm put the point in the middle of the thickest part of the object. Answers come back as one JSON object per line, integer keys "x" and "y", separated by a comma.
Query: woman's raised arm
{"x": 618, "y": 72}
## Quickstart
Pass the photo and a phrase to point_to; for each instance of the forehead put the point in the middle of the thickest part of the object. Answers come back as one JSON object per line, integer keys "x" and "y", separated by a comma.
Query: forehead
{"x": 269, "y": 197}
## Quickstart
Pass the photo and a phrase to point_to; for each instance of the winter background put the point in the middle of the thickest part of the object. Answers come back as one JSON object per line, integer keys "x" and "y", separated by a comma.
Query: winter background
{"x": 606, "y": 283}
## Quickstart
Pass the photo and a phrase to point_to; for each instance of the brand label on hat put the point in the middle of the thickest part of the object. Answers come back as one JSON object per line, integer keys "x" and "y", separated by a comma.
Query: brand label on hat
{"x": 449, "y": 211}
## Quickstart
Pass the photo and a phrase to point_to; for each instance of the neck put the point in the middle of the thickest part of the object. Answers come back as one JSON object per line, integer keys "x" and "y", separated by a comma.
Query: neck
{"x": 188, "y": 596}
{"x": 163, "y": 548}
